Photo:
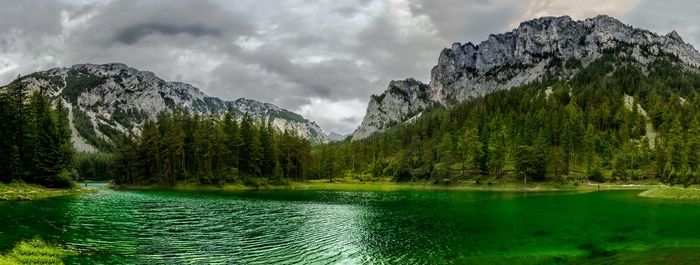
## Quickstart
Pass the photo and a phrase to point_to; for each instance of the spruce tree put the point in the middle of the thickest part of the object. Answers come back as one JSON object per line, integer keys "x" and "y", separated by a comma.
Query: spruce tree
{"x": 269, "y": 151}
{"x": 245, "y": 161}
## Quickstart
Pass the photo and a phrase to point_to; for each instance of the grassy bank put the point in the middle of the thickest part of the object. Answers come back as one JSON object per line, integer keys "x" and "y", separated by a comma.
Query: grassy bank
{"x": 34, "y": 251}
{"x": 28, "y": 192}
{"x": 394, "y": 186}
{"x": 672, "y": 193}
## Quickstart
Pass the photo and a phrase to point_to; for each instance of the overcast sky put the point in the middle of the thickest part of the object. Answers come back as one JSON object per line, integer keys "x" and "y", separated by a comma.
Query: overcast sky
{"x": 322, "y": 59}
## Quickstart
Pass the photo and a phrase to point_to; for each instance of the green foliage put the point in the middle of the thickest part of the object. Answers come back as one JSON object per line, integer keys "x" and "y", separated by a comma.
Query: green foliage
{"x": 35, "y": 136}
{"x": 78, "y": 82}
{"x": 95, "y": 166}
{"x": 35, "y": 251}
{"x": 611, "y": 121}
{"x": 573, "y": 63}
{"x": 210, "y": 150}
{"x": 116, "y": 137}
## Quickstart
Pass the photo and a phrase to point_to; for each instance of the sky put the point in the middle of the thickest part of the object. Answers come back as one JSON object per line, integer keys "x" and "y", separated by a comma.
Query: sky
{"x": 320, "y": 58}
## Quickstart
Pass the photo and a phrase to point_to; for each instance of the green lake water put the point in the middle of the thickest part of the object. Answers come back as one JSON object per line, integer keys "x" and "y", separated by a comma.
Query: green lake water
{"x": 337, "y": 227}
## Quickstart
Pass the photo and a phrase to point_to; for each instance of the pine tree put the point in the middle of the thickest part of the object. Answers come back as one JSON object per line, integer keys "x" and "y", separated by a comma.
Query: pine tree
{"x": 269, "y": 152}
{"x": 6, "y": 137}
{"x": 556, "y": 161}
{"x": 204, "y": 151}
{"x": 149, "y": 153}
{"x": 469, "y": 145}
{"x": 255, "y": 153}
{"x": 232, "y": 139}
{"x": 67, "y": 151}
{"x": 20, "y": 124}
{"x": 166, "y": 143}
{"x": 445, "y": 149}
{"x": 47, "y": 156}
{"x": 497, "y": 151}
{"x": 589, "y": 145}
{"x": 482, "y": 154}
{"x": 176, "y": 146}
{"x": 246, "y": 162}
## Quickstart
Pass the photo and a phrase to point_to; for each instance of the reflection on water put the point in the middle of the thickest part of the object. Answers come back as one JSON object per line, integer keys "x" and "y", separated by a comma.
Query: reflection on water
{"x": 322, "y": 227}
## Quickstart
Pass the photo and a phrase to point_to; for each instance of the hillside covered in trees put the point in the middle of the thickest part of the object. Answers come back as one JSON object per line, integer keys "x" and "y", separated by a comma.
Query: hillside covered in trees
{"x": 616, "y": 119}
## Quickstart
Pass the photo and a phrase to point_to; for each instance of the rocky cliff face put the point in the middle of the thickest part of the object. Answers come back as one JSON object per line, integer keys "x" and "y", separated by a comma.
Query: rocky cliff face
{"x": 548, "y": 46}
{"x": 401, "y": 101}
{"x": 116, "y": 99}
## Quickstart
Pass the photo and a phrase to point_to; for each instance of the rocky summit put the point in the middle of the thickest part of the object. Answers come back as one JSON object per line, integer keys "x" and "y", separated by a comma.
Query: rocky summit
{"x": 108, "y": 101}
{"x": 548, "y": 47}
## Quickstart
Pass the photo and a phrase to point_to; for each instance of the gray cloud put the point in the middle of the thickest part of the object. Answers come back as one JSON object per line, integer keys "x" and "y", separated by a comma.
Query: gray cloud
{"x": 137, "y": 32}
{"x": 663, "y": 17}
{"x": 320, "y": 58}
{"x": 34, "y": 18}
{"x": 473, "y": 21}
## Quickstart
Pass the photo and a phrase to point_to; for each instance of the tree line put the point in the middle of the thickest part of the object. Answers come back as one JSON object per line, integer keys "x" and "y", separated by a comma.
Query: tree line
{"x": 181, "y": 147}
{"x": 177, "y": 146}
{"x": 35, "y": 137}
{"x": 613, "y": 120}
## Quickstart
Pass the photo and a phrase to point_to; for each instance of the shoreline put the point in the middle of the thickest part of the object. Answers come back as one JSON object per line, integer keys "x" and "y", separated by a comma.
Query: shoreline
{"x": 397, "y": 186}
{"x": 650, "y": 190}
{"x": 30, "y": 192}
{"x": 656, "y": 191}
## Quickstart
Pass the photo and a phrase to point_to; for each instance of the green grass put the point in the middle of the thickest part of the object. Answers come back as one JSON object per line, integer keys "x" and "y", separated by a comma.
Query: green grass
{"x": 34, "y": 251}
{"x": 18, "y": 191}
{"x": 672, "y": 193}
{"x": 353, "y": 185}
{"x": 465, "y": 186}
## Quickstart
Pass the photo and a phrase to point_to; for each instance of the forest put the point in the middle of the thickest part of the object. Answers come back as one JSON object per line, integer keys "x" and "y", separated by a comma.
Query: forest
{"x": 612, "y": 121}
{"x": 180, "y": 147}
{"x": 175, "y": 147}
{"x": 35, "y": 138}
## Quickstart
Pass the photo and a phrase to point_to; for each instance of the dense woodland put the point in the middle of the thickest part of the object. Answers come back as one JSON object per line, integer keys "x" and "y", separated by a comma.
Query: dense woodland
{"x": 612, "y": 121}
{"x": 35, "y": 143}
{"x": 179, "y": 147}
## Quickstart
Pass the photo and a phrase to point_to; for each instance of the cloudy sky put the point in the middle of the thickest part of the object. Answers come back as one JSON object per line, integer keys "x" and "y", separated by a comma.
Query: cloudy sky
{"x": 320, "y": 58}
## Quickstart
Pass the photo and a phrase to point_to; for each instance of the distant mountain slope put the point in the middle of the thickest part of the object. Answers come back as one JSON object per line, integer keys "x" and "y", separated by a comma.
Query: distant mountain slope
{"x": 546, "y": 47}
{"x": 334, "y": 136}
{"x": 111, "y": 100}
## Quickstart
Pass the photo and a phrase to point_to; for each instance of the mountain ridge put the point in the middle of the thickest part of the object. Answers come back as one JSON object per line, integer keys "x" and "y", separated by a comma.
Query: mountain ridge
{"x": 539, "y": 48}
{"x": 115, "y": 99}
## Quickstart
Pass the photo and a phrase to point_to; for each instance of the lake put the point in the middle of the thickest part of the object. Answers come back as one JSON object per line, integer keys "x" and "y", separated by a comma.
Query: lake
{"x": 351, "y": 227}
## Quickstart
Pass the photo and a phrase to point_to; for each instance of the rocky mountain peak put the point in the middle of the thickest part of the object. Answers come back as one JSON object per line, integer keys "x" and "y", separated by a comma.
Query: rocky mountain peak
{"x": 112, "y": 100}
{"x": 546, "y": 46}
{"x": 674, "y": 36}
{"x": 401, "y": 101}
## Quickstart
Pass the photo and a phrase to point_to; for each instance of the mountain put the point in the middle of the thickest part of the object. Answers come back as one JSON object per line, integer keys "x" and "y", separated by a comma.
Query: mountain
{"x": 110, "y": 101}
{"x": 547, "y": 47}
{"x": 334, "y": 136}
